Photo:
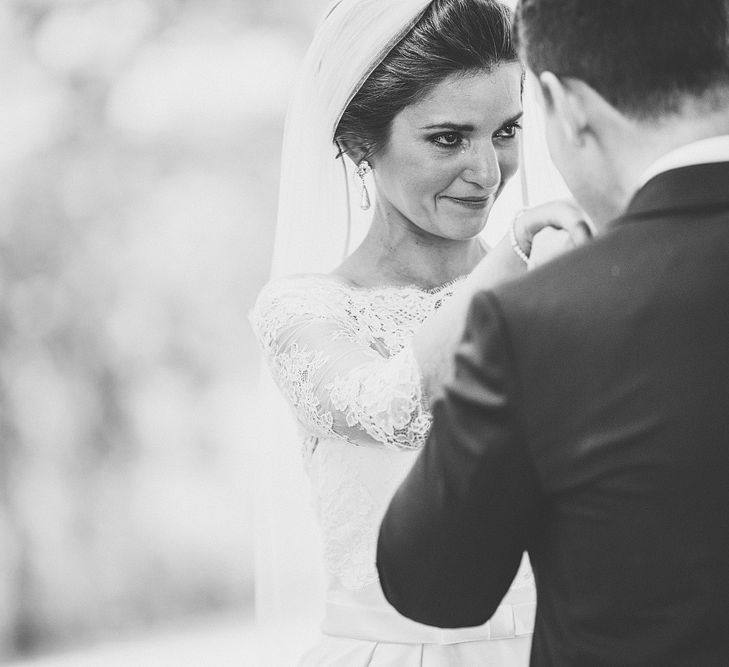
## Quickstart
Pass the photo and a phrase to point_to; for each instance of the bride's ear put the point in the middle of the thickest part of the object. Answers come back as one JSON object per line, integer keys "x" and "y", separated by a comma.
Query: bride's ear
{"x": 563, "y": 100}
{"x": 356, "y": 151}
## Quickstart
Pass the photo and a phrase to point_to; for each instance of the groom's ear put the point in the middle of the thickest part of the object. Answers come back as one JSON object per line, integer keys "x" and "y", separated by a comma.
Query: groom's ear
{"x": 564, "y": 100}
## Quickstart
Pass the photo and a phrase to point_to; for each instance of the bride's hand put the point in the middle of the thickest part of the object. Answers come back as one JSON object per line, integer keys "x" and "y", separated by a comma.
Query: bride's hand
{"x": 563, "y": 215}
{"x": 548, "y": 244}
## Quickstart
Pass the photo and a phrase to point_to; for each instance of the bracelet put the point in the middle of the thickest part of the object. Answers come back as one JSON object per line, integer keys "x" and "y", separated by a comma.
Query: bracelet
{"x": 514, "y": 243}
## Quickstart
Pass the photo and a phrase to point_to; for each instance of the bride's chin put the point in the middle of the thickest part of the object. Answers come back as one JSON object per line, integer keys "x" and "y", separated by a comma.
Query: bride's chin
{"x": 466, "y": 228}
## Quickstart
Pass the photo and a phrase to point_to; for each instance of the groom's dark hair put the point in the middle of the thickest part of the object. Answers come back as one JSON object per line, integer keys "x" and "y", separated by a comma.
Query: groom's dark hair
{"x": 643, "y": 56}
{"x": 451, "y": 37}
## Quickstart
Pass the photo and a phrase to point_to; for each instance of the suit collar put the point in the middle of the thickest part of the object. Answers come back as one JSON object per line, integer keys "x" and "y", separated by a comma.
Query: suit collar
{"x": 711, "y": 149}
{"x": 698, "y": 186}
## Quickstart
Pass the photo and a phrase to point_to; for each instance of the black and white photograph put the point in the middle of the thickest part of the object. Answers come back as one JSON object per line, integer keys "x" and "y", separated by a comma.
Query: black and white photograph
{"x": 364, "y": 333}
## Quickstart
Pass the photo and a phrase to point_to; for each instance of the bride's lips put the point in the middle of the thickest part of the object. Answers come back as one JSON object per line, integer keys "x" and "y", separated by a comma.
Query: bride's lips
{"x": 470, "y": 202}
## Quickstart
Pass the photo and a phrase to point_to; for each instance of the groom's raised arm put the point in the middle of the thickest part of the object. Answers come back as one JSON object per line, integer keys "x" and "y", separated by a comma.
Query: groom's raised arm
{"x": 453, "y": 536}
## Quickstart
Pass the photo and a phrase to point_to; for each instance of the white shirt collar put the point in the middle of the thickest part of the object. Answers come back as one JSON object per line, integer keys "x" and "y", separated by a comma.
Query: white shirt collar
{"x": 714, "y": 149}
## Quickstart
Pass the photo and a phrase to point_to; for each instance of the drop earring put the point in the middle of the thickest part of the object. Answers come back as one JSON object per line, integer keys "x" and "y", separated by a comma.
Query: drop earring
{"x": 363, "y": 168}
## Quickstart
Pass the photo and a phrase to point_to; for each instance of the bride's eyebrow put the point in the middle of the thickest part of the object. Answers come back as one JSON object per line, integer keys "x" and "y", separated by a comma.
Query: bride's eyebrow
{"x": 458, "y": 127}
{"x": 450, "y": 126}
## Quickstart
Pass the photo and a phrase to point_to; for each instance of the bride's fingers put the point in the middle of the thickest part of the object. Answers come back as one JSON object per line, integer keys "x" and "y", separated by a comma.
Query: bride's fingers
{"x": 561, "y": 214}
{"x": 549, "y": 243}
{"x": 580, "y": 232}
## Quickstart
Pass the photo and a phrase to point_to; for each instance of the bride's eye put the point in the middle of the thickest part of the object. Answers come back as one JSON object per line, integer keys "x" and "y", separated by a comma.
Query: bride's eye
{"x": 509, "y": 131}
{"x": 447, "y": 139}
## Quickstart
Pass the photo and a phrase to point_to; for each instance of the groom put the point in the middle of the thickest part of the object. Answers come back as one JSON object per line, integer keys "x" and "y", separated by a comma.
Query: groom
{"x": 588, "y": 421}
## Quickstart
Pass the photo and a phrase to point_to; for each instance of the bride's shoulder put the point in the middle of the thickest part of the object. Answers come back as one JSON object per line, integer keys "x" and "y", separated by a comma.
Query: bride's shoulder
{"x": 309, "y": 293}
{"x": 309, "y": 284}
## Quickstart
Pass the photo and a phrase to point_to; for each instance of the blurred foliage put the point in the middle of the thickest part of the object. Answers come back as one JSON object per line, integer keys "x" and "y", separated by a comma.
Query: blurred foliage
{"x": 139, "y": 151}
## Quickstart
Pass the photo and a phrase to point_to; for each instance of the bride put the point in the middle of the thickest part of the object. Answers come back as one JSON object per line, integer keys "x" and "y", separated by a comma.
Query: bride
{"x": 423, "y": 100}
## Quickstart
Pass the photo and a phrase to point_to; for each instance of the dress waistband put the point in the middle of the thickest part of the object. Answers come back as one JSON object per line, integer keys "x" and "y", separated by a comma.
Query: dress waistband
{"x": 510, "y": 620}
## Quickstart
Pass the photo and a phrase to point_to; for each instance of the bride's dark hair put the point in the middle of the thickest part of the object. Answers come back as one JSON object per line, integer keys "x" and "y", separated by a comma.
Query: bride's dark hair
{"x": 451, "y": 37}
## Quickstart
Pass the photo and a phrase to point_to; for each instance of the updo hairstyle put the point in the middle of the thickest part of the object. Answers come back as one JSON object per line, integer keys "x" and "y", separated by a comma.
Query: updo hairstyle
{"x": 451, "y": 37}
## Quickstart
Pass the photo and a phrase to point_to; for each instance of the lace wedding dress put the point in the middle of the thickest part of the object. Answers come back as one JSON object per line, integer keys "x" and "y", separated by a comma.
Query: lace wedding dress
{"x": 341, "y": 355}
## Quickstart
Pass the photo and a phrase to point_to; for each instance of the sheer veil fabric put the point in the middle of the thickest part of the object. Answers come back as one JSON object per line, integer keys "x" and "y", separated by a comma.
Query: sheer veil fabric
{"x": 319, "y": 221}
{"x": 316, "y": 187}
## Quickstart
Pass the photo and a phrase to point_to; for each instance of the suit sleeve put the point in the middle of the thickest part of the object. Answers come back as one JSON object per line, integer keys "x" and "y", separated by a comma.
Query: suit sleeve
{"x": 454, "y": 534}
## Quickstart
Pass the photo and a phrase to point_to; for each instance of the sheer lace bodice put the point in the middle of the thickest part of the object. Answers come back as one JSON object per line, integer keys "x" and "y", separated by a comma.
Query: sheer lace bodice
{"x": 342, "y": 357}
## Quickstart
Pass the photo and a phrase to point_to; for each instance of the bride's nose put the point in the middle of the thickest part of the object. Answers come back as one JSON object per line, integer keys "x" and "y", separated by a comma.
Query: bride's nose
{"x": 482, "y": 167}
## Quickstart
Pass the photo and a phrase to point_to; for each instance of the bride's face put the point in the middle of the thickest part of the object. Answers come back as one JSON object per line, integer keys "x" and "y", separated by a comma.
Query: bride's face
{"x": 449, "y": 155}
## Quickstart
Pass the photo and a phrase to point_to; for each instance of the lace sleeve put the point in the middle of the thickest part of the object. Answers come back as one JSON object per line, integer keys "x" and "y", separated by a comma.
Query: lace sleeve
{"x": 329, "y": 370}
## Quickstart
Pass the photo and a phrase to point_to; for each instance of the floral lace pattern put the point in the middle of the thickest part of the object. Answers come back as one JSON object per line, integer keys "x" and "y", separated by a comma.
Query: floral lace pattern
{"x": 352, "y": 488}
{"x": 346, "y": 512}
{"x": 341, "y": 356}
{"x": 384, "y": 401}
{"x": 298, "y": 365}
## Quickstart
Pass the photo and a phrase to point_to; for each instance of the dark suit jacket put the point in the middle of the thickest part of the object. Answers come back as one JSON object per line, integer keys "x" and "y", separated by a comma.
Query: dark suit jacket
{"x": 588, "y": 423}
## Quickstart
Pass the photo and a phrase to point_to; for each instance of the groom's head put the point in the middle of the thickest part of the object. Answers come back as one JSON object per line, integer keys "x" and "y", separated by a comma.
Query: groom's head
{"x": 624, "y": 81}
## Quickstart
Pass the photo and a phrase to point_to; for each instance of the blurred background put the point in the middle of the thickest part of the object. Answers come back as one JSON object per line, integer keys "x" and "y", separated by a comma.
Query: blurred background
{"x": 139, "y": 152}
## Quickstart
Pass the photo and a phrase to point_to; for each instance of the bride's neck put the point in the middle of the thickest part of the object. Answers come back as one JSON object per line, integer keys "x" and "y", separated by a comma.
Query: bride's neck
{"x": 400, "y": 253}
